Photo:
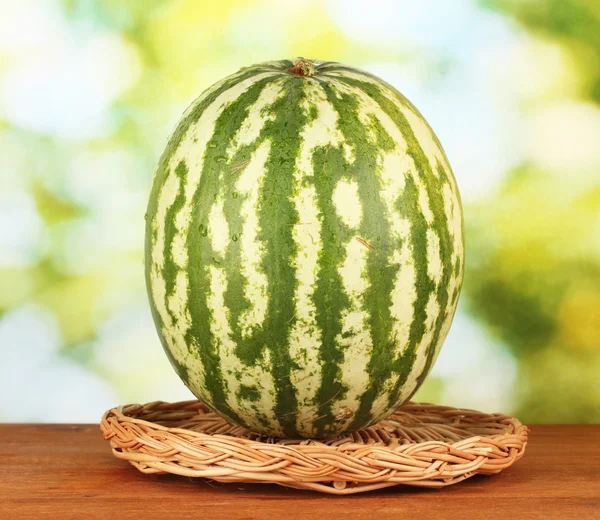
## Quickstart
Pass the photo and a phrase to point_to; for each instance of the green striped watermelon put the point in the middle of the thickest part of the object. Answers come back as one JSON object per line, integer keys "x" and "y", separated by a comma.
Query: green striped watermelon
{"x": 304, "y": 248}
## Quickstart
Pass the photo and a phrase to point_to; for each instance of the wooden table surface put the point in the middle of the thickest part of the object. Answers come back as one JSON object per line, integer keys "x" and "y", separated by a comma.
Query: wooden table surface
{"x": 68, "y": 471}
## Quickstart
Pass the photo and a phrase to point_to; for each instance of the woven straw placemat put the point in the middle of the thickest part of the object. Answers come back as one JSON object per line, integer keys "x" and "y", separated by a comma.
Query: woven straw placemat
{"x": 421, "y": 444}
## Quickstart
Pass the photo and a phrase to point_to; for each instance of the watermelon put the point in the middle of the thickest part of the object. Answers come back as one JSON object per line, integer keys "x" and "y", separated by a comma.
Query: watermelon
{"x": 304, "y": 248}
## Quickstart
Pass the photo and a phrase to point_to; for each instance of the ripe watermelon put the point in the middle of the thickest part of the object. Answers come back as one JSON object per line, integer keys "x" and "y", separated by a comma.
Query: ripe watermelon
{"x": 304, "y": 248}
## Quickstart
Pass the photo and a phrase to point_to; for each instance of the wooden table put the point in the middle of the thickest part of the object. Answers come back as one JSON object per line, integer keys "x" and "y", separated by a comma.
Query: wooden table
{"x": 68, "y": 471}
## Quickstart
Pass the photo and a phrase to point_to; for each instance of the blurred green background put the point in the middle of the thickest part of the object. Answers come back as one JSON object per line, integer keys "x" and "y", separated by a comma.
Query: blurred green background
{"x": 89, "y": 92}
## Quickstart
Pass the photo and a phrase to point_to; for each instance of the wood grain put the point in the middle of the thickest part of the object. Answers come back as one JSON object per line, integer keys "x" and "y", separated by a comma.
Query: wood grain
{"x": 67, "y": 471}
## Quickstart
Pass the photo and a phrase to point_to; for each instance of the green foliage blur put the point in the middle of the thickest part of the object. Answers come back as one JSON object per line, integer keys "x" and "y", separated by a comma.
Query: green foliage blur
{"x": 534, "y": 270}
{"x": 91, "y": 90}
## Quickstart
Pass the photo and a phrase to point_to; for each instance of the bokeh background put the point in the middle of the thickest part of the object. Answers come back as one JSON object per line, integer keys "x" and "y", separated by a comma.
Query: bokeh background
{"x": 89, "y": 92}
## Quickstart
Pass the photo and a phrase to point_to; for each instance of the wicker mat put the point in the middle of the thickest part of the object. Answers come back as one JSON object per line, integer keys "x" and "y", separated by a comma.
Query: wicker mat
{"x": 419, "y": 445}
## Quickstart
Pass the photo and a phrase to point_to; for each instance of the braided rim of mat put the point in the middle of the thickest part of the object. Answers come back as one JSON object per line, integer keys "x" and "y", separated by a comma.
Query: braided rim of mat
{"x": 421, "y": 444}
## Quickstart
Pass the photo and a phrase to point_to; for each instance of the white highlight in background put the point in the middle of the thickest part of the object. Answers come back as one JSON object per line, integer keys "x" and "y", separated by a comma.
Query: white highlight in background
{"x": 477, "y": 371}
{"x": 68, "y": 80}
{"x": 37, "y": 382}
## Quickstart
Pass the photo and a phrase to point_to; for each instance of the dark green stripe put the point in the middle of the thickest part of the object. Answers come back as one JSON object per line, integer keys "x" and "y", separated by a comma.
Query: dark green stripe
{"x": 326, "y": 66}
{"x": 440, "y": 222}
{"x": 382, "y": 364}
{"x": 329, "y": 166}
{"x": 408, "y": 207}
{"x": 277, "y": 215}
{"x": 329, "y": 296}
{"x": 215, "y": 175}
{"x": 251, "y": 349}
{"x": 447, "y": 246}
{"x": 277, "y": 66}
{"x": 170, "y": 268}
{"x": 160, "y": 176}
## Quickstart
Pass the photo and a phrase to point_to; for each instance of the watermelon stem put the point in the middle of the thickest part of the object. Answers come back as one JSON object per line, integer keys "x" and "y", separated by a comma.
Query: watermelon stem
{"x": 303, "y": 67}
